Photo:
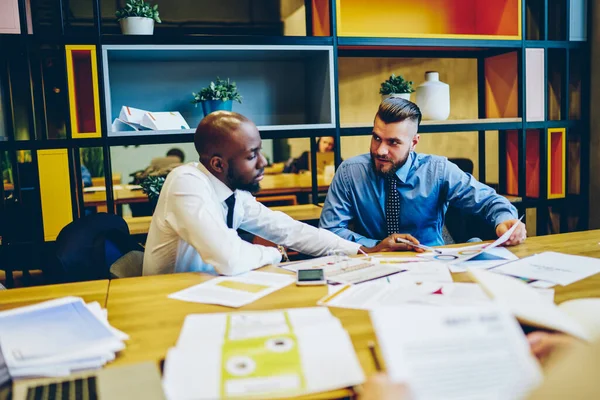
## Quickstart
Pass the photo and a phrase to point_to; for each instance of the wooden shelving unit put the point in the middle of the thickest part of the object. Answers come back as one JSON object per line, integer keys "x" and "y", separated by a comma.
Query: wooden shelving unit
{"x": 517, "y": 70}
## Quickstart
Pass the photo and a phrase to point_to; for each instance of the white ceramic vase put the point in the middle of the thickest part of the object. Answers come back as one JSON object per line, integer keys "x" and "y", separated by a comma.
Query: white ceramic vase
{"x": 433, "y": 97}
{"x": 137, "y": 26}
{"x": 405, "y": 96}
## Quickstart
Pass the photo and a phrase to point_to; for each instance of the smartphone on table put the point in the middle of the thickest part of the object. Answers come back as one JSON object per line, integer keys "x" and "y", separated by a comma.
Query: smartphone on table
{"x": 309, "y": 277}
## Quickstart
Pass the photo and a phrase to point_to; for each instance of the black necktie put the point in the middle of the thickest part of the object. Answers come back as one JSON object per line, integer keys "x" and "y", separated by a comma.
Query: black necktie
{"x": 392, "y": 205}
{"x": 230, "y": 201}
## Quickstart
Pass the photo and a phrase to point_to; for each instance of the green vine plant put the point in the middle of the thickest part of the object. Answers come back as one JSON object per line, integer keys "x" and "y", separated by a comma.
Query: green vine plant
{"x": 138, "y": 8}
{"x": 395, "y": 85}
{"x": 221, "y": 90}
{"x": 152, "y": 186}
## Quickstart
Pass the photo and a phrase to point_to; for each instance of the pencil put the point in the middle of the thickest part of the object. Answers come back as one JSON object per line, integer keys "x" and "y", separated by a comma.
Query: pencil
{"x": 375, "y": 358}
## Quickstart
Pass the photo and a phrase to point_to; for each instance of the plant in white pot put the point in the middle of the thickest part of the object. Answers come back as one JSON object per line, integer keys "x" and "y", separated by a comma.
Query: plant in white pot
{"x": 137, "y": 17}
{"x": 396, "y": 86}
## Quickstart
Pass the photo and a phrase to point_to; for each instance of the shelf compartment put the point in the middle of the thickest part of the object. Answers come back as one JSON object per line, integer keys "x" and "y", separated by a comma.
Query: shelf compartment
{"x": 557, "y": 24}
{"x": 556, "y": 162}
{"x": 84, "y": 104}
{"x": 501, "y": 86}
{"x": 55, "y": 191}
{"x": 162, "y": 78}
{"x": 534, "y": 24}
{"x": 556, "y": 78}
{"x": 9, "y": 17}
{"x": 494, "y": 19}
{"x": 320, "y": 18}
{"x": 574, "y": 162}
{"x": 532, "y": 163}
{"x": 534, "y": 84}
{"x": 576, "y": 65}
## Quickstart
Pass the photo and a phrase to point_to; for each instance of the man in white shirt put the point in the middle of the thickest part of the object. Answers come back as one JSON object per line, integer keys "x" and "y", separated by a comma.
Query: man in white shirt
{"x": 201, "y": 205}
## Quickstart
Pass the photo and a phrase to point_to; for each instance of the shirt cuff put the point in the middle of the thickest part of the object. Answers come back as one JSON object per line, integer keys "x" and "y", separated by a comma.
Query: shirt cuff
{"x": 367, "y": 242}
{"x": 273, "y": 256}
{"x": 505, "y": 216}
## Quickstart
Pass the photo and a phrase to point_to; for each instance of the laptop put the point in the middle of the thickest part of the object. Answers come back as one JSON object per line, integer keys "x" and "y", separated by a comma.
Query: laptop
{"x": 136, "y": 381}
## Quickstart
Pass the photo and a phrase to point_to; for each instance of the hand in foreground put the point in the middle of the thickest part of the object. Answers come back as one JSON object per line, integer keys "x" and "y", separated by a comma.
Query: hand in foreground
{"x": 517, "y": 237}
{"x": 543, "y": 344}
{"x": 380, "y": 387}
{"x": 390, "y": 244}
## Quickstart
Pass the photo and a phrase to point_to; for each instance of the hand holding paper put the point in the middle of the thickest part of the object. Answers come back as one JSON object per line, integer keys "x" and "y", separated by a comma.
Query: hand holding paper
{"x": 519, "y": 232}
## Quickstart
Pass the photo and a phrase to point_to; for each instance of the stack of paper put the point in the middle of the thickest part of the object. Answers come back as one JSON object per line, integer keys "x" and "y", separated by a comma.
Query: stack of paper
{"x": 57, "y": 337}
{"x": 456, "y": 352}
{"x": 235, "y": 291}
{"x": 261, "y": 355}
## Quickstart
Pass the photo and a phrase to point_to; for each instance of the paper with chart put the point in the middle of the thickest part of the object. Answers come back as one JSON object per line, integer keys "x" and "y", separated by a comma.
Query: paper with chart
{"x": 488, "y": 259}
{"x": 563, "y": 269}
{"x": 458, "y": 255}
{"x": 429, "y": 271}
{"x": 261, "y": 355}
{"x": 57, "y": 337}
{"x": 347, "y": 269}
{"x": 456, "y": 352}
{"x": 236, "y": 291}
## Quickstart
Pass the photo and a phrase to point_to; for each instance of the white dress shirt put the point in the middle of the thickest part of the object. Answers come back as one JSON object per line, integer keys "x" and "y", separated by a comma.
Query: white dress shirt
{"x": 189, "y": 230}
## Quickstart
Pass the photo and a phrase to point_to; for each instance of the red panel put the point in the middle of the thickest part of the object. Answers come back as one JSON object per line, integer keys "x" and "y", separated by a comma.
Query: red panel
{"x": 556, "y": 163}
{"x": 512, "y": 163}
{"x": 84, "y": 91}
{"x": 320, "y": 18}
{"x": 532, "y": 163}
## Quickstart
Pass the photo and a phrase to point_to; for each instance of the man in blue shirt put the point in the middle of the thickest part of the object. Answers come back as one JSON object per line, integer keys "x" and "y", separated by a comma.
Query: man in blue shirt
{"x": 396, "y": 190}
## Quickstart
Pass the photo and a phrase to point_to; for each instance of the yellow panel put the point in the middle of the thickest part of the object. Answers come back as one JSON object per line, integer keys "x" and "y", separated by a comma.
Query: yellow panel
{"x": 562, "y": 153}
{"x": 76, "y": 134}
{"x": 55, "y": 191}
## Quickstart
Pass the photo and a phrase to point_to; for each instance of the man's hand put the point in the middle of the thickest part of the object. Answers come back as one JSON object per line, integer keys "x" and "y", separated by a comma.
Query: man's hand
{"x": 543, "y": 344}
{"x": 517, "y": 237}
{"x": 390, "y": 244}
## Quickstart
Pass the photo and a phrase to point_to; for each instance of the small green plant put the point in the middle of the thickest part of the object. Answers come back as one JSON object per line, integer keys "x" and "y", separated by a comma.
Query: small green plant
{"x": 152, "y": 186}
{"x": 395, "y": 85}
{"x": 138, "y": 8}
{"x": 222, "y": 90}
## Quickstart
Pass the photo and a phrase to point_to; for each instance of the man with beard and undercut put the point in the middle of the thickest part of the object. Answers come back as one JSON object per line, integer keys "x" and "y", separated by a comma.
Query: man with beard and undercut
{"x": 201, "y": 206}
{"x": 396, "y": 190}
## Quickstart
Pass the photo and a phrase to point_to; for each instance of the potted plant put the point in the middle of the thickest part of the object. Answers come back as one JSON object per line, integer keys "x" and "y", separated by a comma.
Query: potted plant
{"x": 396, "y": 86}
{"x": 137, "y": 17}
{"x": 217, "y": 96}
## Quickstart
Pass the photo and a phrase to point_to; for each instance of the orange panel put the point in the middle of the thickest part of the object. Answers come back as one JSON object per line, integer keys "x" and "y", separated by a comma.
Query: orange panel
{"x": 427, "y": 18}
{"x": 501, "y": 84}
{"x": 556, "y": 162}
{"x": 512, "y": 163}
{"x": 532, "y": 162}
{"x": 320, "y": 18}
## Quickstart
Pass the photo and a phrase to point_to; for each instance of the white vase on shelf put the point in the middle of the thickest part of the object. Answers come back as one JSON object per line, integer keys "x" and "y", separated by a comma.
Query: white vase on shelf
{"x": 433, "y": 97}
{"x": 405, "y": 96}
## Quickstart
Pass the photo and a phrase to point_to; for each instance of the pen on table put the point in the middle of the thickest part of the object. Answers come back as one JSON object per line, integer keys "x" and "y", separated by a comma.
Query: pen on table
{"x": 375, "y": 358}
{"x": 421, "y": 246}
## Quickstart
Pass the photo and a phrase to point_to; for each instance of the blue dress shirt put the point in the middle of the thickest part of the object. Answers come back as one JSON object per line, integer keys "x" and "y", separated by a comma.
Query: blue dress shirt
{"x": 427, "y": 185}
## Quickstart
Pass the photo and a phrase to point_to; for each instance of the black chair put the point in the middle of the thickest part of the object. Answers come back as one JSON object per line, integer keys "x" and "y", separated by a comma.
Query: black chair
{"x": 460, "y": 227}
{"x": 87, "y": 249}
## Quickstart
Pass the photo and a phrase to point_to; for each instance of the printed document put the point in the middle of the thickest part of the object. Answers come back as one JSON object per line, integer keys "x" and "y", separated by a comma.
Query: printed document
{"x": 477, "y": 352}
{"x": 235, "y": 291}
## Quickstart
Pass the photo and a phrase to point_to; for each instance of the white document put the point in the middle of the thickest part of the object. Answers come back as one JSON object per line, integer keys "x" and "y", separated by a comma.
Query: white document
{"x": 456, "y": 352}
{"x": 347, "y": 269}
{"x": 301, "y": 351}
{"x": 527, "y": 304}
{"x": 432, "y": 271}
{"x": 236, "y": 291}
{"x": 559, "y": 268}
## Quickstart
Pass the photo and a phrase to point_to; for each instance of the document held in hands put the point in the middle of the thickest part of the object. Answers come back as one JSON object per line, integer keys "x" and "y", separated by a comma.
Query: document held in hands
{"x": 235, "y": 291}
{"x": 456, "y": 352}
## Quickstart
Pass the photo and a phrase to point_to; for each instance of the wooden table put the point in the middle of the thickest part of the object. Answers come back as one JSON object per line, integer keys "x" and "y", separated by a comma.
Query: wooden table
{"x": 89, "y": 291}
{"x": 300, "y": 212}
{"x": 140, "y": 307}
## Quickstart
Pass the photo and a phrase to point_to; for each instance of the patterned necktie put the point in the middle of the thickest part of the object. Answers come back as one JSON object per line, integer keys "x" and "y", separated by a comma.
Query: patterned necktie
{"x": 230, "y": 201}
{"x": 392, "y": 205}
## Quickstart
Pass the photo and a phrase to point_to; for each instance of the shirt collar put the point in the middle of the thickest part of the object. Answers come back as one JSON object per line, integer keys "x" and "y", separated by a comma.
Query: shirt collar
{"x": 402, "y": 172}
{"x": 221, "y": 189}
